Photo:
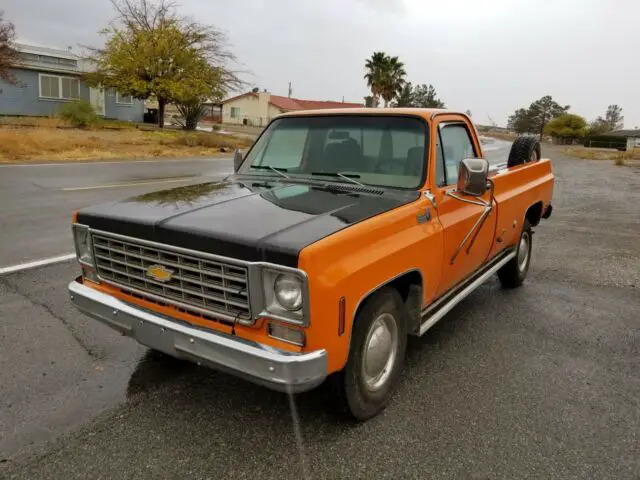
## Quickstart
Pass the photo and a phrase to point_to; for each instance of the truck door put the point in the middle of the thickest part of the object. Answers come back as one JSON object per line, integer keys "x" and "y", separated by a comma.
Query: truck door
{"x": 453, "y": 144}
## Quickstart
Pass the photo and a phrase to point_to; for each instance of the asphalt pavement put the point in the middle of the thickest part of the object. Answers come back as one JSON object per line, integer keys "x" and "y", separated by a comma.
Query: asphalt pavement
{"x": 37, "y": 201}
{"x": 538, "y": 382}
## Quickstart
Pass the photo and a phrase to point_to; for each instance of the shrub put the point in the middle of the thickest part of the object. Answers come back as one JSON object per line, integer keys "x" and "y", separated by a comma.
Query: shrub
{"x": 606, "y": 141}
{"x": 79, "y": 114}
{"x": 191, "y": 112}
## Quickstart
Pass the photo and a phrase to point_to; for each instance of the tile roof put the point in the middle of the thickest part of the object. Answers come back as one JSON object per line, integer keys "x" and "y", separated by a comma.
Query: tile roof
{"x": 290, "y": 104}
{"x": 293, "y": 104}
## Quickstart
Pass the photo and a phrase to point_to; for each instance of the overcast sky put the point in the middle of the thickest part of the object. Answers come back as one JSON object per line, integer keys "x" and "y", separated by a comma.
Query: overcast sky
{"x": 489, "y": 56}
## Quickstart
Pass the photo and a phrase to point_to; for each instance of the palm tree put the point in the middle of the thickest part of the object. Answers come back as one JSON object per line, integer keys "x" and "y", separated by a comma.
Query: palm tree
{"x": 393, "y": 79}
{"x": 375, "y": 75}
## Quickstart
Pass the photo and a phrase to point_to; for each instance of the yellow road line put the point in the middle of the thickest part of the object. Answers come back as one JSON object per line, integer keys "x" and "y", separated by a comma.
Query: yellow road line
{"x": 129, "y": 184}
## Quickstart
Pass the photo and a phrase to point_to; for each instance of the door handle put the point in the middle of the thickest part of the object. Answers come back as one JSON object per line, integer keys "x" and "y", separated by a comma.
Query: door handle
{"x": 425, "y": 217}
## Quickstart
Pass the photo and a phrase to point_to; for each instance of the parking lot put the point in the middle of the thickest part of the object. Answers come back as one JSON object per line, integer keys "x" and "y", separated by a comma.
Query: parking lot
{"x": 538, "y": 382}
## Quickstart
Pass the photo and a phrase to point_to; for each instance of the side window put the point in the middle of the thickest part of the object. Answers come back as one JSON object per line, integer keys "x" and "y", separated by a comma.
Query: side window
{"x": 456, "y": 146}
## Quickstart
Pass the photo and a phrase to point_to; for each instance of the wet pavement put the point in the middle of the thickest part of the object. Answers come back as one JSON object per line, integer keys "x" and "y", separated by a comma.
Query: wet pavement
{"x": 537, "y": 382}
{"x": 37, "y": 201}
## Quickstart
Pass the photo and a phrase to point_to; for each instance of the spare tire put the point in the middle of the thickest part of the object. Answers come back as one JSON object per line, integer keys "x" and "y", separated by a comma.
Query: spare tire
{"x": 525, "y": 148}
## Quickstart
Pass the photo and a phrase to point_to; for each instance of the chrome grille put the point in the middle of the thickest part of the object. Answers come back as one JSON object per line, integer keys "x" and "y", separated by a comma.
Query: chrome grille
{"x": 199, "y": 284}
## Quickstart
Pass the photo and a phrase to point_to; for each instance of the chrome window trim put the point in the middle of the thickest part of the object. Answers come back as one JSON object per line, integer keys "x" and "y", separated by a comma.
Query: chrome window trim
{"x": 257, "y": 307}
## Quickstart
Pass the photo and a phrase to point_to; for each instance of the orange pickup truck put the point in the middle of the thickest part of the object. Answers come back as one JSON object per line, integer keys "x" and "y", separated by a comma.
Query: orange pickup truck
{"x": 340, "y": 233}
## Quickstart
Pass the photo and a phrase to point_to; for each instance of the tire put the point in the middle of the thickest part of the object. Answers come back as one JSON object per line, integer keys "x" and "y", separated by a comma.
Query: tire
{"x": 360, "y": 392}
{"x": 513, "y": 273}
{"x": 525, "y": 149}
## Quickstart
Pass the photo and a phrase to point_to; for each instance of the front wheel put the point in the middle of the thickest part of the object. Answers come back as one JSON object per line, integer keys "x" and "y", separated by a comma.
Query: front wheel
{"x": 513, "y": 273}
{"x": 376, "y": 356}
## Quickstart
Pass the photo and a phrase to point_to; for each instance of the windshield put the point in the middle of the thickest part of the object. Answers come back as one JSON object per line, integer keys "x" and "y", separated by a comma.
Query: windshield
{"x": 388, "y": 151}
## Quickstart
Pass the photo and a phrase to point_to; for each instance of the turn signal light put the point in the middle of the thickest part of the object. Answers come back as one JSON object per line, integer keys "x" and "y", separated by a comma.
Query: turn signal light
{"x": 286, "y": 334}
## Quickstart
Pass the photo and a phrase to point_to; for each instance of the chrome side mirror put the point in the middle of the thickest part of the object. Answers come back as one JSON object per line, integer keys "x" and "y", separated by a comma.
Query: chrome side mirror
{"x": 237, "y": 160}
{"x": 472, "y": 176}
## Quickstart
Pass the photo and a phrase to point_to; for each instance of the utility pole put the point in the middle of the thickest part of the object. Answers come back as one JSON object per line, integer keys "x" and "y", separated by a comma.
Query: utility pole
{"x": 290, "y": 90}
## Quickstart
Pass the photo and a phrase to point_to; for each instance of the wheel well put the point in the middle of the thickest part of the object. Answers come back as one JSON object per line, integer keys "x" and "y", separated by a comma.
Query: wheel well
{"x": 534, "y": 214}
{"x": 409, "y": 285}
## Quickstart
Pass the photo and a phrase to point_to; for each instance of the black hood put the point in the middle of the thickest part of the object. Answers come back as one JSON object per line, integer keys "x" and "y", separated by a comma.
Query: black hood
{"x": 248, "y": 220}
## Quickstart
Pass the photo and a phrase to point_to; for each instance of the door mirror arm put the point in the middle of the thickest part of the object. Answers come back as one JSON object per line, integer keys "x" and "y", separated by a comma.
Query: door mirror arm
{"x": 473, "y": 181}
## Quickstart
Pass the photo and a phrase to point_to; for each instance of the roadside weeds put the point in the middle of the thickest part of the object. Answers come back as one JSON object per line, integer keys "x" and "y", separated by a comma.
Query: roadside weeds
{"x": 618, "y": 158}
{"x": 52, "y": 143}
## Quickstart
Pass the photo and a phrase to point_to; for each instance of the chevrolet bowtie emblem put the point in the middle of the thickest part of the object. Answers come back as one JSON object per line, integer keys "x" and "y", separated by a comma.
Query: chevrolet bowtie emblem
{"x": 159, "y": 273}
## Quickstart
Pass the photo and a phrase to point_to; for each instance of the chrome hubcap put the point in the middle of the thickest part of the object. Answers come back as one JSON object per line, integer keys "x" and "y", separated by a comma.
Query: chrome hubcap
{"x": 380, "y": 351}
{"x": 523, "y": 251}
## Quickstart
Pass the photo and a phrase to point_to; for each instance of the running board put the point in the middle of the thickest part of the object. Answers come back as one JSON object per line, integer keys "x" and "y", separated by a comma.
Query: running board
{"x": 439, "y": 309}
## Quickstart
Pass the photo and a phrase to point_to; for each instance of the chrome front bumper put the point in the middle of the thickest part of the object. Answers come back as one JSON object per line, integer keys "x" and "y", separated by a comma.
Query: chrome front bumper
{"x": 276, "y": 369}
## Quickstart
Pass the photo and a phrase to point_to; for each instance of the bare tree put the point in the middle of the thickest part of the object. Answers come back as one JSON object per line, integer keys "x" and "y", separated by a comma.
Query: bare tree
{"x": 613, "y": 117}
{"x": 8, "y": 54}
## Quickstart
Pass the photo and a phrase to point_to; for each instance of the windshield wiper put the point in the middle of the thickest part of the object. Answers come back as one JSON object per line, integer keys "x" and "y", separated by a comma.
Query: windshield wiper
{"x": 278, "y": 170}
{"x": 346, "y": 176}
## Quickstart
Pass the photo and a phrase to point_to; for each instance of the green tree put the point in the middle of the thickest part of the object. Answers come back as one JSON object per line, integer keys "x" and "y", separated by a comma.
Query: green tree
{"x": 405, "y": 98}
{"x": 368, "y": 102}
{"x": 542, "y": 111}
{"x": 424, "y": 96}
{"x": 520, "y": 121}
{"x": 598, "y": 127}
{"x": 8, "y": 54}
{"x": 375, "y": 75}
{"x": 535, "y": 118}
{"x": 393, "y": 79}
{"x": 151, "y": 52}
{"x": 568, "y": 127}
{"x": 613, "y": 118}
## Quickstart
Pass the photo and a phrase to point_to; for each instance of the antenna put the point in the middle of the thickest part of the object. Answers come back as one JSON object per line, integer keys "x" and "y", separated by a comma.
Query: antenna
{"x": 290, "y": 90}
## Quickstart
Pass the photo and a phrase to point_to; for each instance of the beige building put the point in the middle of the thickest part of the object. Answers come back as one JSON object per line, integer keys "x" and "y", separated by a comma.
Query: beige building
{"x": 258, "y": 108}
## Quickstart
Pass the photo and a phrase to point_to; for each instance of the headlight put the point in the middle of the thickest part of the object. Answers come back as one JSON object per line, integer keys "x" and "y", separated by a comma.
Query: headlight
{"x": 285, "y": 296}
{"x": 288, "y": 291}
{"x": 84, "y": 249}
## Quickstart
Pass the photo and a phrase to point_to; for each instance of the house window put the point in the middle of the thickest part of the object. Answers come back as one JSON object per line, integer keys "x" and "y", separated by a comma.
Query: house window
{"x": 235, "y": 112}
{"x": 59, "y": 88}
{"x": 124, "y": 98}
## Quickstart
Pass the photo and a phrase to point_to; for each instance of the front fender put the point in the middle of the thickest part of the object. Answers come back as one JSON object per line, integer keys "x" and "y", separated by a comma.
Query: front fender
{"x": 357, "y": 261}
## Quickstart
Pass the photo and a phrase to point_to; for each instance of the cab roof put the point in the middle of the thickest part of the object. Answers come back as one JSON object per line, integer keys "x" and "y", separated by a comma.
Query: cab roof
{"x": 425, "y": 113}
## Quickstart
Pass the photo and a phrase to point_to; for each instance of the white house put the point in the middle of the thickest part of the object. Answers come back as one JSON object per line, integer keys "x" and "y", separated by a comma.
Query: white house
{"x": 258, "y": 108}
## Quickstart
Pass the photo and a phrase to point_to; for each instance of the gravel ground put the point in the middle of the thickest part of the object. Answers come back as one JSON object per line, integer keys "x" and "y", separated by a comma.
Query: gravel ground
{"x": 538, "y": 382}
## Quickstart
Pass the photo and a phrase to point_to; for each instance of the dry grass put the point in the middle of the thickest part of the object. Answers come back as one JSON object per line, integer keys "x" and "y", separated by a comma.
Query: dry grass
{"x": 19, "y": 144}
{"x": 619, "y": 158}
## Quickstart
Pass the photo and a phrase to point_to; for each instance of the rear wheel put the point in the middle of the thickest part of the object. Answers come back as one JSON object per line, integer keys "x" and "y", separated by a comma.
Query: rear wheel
{"x": 376, "y": 356}
{"x": 525, "y": 148}
{"x": 513, "y": 273}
